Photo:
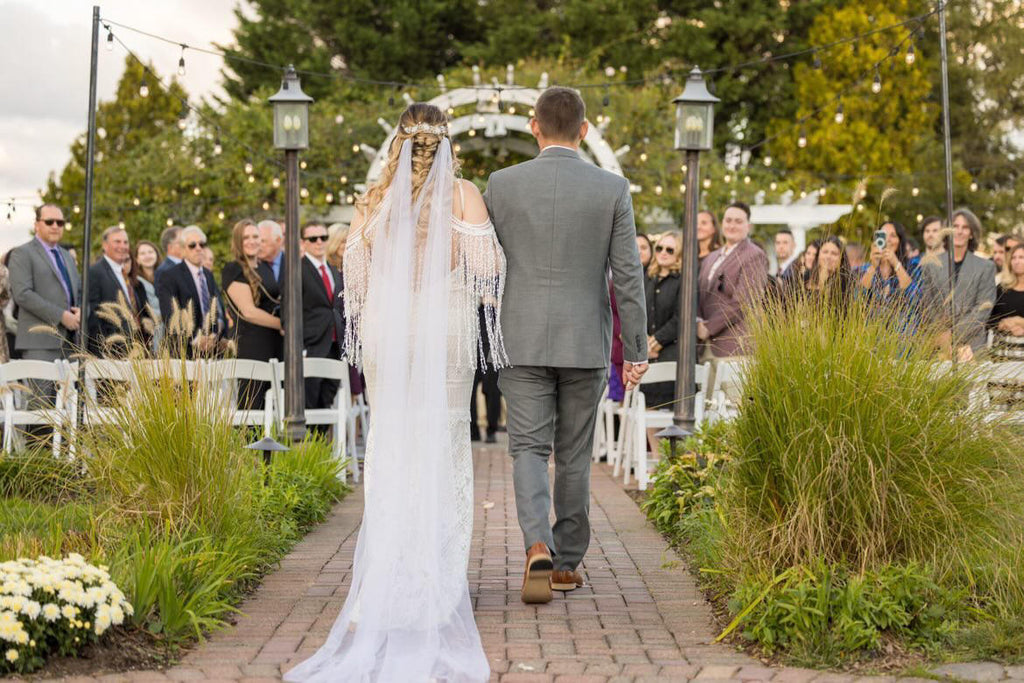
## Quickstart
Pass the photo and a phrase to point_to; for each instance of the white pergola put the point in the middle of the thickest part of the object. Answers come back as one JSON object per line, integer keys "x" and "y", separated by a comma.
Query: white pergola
{"x": 799, "y": 216}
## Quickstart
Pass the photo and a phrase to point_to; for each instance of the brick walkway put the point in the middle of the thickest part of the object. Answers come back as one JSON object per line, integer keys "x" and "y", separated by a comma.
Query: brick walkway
{"x": 640, "y": 617}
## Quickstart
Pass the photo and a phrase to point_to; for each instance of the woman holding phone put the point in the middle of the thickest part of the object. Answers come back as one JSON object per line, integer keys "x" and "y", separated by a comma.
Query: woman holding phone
{"x": 886, "y": 276}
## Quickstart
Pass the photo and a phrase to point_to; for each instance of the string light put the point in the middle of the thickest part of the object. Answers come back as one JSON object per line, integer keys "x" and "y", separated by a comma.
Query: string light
{"x": 860, "y": 207}
{"x": 682, "y": 188}
{"x": 914, "y": 191}
{"x": 350, "y": 199}
{"x": 252, "y": 179}
{"x": 120, "y": 224}
{"x": 248, "y": 168}
{"x": 658, "y": 190}
{"x": 471, "y": 132}
{"x": 773, "y": 186}
{"x": 304, "y": 193}
{"x": 266, "y": 205}
{"x": 840, "y": 116}
{"x": 110, "y": 40}
{"x": 910, "y": 55}
{"x": 76, "y": 208}
{"x": 143, "y": 89}
{"x": 643, "y": 156}
{"x": 217, "y": 149}
{"x": 801, "y": 141}
{"x": 920, "y": 218}
{"x": 355, "y": 149}
{"x": 707, "y": 183}
{"x": 343, "y": 179}
{"x": 275, "y": 183}
{"x": 220, "y": 215}
{"x": 822, "y": 190}
{"x": 727, "y": 178}
{"x": 183, "y": 118}
{"x": 136, "y": 201}
{"x": 746, "y": 180}
{"x": 974, "y": 187}
{"x": 181, "y": 62}
{"x": 876, "y": 85}
{"x": 170, "y": 222}
{"x": 302, "y": 164}
{"x": 329, "y": 198}
{"x": 767, "y": 159}
{"x": 196, "y": 191}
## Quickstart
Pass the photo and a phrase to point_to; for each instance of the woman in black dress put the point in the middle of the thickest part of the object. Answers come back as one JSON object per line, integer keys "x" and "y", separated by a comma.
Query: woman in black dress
{"x": 253, "y": 298}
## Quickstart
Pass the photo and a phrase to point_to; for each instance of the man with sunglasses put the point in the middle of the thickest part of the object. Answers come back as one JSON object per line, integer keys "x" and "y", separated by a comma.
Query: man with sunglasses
{"x": 191, "y": 286}
{"x": 46, "y": 288}
{"x": 322, "y": 329}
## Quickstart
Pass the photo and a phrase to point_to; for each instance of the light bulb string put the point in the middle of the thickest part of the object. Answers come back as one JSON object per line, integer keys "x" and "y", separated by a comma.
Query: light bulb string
{"x": 391, "y": 84}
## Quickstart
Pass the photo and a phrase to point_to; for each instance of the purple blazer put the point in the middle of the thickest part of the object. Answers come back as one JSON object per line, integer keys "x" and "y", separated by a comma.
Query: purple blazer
{"x": 739, "y": 280}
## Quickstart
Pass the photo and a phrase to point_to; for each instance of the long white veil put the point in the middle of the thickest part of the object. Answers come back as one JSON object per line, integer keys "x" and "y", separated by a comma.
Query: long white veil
{"x": 406, "y": 618}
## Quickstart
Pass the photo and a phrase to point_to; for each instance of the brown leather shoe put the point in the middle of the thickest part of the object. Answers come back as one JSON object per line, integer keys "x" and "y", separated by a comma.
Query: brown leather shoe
{"x": 537, "y": 578}
{"x": 566, "y": 580}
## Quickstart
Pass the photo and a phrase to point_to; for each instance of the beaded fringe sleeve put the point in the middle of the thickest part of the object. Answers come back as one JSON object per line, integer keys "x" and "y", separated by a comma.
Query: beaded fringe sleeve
{"x": 478, "y": 276}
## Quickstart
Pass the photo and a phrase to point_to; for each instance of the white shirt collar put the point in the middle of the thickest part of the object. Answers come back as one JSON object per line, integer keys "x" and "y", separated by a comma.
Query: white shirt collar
{"x": 316, "y": 262}
{"x": 117, "y": 267}
{"x": 195, "y": 270}
{"x": 574, "y": 151}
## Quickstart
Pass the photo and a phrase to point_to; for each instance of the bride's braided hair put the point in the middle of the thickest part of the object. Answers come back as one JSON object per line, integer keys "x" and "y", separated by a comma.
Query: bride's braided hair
{"x": 424, "y": 147}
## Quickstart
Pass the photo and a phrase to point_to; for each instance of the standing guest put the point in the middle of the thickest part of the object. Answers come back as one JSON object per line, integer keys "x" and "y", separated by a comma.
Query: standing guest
{"x": 146, "y": 260}
{"x": 189, "y": 298}
{"x": 889, "y": 275}
{"x": 170, "y": 242}
{"x": 322, "y": 328}
{"x": 973, "y": 285}
{"x": 643, "y": 245}
{"x": 854, "y": 255}
{"x": 731, "y": 277}
{"x": 112, "y": 296}
{"x": 208, "y": 259}
{"x": 9, "y": 318}
{"x": 661, "y": 289}
{"x": 785, "y": 252}
{"x": 709, "y": 236}
{"x": 1008, "y": 312}
{"x": 5, "y": 297}
{"x": 998, "y": 251}
{"x": 144, "y": 314}
{"x": 913, "y": 248}
{"x": 802, "y": 264}
{"x": 931, "y": 236}
{"x": 46, "y": 288}
{"x": 336, "y": 257}
{"x": 830, "y": 278}
{"x": 272, "y": 246}
{"x": 253, "y": 299}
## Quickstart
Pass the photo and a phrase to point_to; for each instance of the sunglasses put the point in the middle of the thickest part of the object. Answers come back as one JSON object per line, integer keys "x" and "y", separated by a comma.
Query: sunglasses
{"x": 316, "y": 238}
{"x": 193, "y": 245}
{"x": 59, "y": 222}
{"x": 667, "y": 250}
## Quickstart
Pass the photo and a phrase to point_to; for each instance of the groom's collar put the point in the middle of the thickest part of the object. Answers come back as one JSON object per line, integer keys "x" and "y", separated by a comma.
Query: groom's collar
{"x": 559, "y": 150}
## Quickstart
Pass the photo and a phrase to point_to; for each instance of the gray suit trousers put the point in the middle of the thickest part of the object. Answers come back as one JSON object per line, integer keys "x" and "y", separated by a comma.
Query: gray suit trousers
{"x": 553, "y": 407}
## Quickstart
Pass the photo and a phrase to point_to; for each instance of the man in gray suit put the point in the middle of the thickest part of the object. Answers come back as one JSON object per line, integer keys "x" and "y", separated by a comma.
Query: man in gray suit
{"x": 45, "y": 286}
{"x": 562, "y": 222}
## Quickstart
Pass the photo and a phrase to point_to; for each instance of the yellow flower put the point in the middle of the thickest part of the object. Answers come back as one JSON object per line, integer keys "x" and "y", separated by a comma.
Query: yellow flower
{"x": 32, "y": 643}
{"x": 12, "y": 655}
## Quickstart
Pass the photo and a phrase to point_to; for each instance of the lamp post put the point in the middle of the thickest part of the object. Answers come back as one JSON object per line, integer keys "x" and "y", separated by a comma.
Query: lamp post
{"x": 694, "y": 134}
{"x": 291, "y": 133}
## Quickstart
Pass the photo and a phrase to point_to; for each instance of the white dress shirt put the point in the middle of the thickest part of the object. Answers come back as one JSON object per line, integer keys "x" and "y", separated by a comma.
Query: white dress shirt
{"x": 318, "y": 264}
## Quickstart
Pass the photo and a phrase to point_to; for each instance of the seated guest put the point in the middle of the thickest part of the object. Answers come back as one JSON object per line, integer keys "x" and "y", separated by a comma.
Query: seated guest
{"x": 116, "y": 303}
{"x": 1008, "y": 313}
{"x": 253, "y": 298}
{"x": 973, "y": 286}
{"x": 731, "y": 277}
{"x": 189, "y": 299}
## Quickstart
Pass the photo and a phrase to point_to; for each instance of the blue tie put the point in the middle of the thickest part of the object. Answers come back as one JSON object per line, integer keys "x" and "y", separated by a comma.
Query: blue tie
{"x": 204, "y": 293}
{"x": 64, "y": 276}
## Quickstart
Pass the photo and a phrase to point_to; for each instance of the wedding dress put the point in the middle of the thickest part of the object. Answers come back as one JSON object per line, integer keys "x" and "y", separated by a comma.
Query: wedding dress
{"x": 415, "y": 276}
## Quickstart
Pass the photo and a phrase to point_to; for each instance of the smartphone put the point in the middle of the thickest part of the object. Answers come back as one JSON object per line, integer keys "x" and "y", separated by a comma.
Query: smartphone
{"x": 880, "y": 239}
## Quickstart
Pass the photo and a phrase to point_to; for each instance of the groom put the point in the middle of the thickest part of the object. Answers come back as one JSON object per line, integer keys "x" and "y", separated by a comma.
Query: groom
{"x": 562, "y": 222}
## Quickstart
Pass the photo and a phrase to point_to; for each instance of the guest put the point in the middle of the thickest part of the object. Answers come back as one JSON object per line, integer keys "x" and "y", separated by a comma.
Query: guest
{"x": 10, "y": 318}
{"x": 643, "y": 245}
{"x": 913, "y": 249}
{"x": 170, "y": 242}
{"x": 5, "y": 297}
{"x": 208, "y": 259}
{"x": 253, "y": 299}
{"x": 830, "y": 277}
{"x": 973, "y": 286}
{"x": 785, "y": 252}
{"x": 322, "y": 328}
{"x": 146, "y": 260}
{"x": 190, "y": 299}
{"x": 998, "y": 251}
{"x": 709, "y": 237}
{"x": 144, "y": 313}
{"x": 111, "y": 296}
{"x": 1008, "y": 312}
{"x": 662, "y": 293}
{"x": 731, "y": 277}
{"x": 803, "y": 264}
{"x": 336, "y": 257}
{"x": 272, "y": 246}
{"x": 45, "y": 288}
{"x": 931, "y": 236}
{"x": 888, "y": 276}
{"x": 854, "y": 255}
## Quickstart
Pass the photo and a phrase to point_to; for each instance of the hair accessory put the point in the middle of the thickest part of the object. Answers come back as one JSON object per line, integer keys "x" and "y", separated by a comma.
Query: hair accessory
{"x": 425, "y": 128}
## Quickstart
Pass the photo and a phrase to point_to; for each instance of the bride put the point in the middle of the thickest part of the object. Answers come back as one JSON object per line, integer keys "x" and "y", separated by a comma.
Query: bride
{"x": 420, "y": 259}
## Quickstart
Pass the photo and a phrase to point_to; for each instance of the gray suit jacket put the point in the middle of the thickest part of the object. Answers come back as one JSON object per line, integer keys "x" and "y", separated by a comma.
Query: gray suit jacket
{"x": 974, "y": 294}
{"x": 562, "y": 222}
{"x": 37, "y": 290}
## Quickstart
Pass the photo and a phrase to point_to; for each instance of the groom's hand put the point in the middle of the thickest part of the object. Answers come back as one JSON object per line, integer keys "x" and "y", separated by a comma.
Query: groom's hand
{"x": 632, "y": 372}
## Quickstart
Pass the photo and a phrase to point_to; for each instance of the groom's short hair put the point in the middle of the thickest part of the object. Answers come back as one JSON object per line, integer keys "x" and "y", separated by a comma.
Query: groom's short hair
{"x": 560, "y": 112}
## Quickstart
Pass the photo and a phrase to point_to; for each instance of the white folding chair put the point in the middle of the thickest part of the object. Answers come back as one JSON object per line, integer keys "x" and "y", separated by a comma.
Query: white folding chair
{"x": 602, "y": 445}
{"x": 227, "y": 373}
{"x": 640, "y": 420}
{"x": 14, "y": 377}
{"x": 338, "y": 414}
{"x": 727, "y": 383}
{"x": 1007, "y": 378}
{"x": 102, "y": 371}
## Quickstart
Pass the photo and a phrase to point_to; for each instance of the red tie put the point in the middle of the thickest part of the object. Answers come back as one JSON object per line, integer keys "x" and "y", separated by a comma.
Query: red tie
{"x": 330, "y": 294}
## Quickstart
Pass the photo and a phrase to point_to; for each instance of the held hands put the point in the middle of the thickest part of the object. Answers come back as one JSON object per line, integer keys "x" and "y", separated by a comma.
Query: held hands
{"x": 702, "y": 331}
{"x": 632, "y": 372}
{"x": 653, "y": 347}
{"x": 71, "y": 319}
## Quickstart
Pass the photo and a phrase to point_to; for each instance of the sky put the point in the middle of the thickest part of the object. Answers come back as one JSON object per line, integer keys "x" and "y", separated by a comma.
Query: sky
{"x": 45, "y": 48}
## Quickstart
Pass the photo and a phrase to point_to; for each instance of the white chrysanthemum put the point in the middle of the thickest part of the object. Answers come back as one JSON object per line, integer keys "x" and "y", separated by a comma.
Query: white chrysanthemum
{"x": 117, "y": 615}
{"x": 7, "y": 617}
{"x": 51, "y": 612}
{"x": 102, "y": 624}
{"x": 69, "y": 611}
{"x": 21, "y": 638}
{"x": 75, "y": 558}
{"x": 12, "y": 655}
{"x": 31, "y": 609}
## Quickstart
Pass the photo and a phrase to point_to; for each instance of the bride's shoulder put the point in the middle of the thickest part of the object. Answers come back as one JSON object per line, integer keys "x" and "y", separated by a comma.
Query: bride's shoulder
{"x": 474, "y": 209}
